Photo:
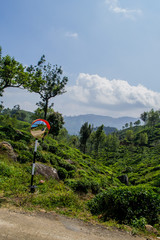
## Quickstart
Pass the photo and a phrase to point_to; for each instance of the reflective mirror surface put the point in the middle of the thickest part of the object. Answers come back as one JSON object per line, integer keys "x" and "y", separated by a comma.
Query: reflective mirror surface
{"x": 40, "y": 128}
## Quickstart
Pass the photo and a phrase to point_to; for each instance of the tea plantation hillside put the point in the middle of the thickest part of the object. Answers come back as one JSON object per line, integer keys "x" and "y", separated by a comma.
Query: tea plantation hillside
{"x": 137, "y": 158}
{"x": 80, "y": 176}
{"x": 120, "y": 182}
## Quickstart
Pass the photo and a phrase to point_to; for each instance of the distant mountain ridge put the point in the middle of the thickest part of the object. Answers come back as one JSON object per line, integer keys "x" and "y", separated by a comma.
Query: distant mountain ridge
{"x": 74, "y": 123}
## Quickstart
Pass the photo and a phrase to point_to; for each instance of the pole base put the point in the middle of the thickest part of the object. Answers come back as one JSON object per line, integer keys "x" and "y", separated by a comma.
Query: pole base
{"x": 33, "y": 188}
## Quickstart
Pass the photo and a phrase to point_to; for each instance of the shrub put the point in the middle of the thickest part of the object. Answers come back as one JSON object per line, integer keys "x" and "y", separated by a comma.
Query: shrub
{"x": 139, "y": 223}
{"x": 81, "y": 185}
{"x": 20, "y": 145}
{"x": 52, "y": 149}
{"x": 9, "y": 132}
{"x": 41, "y": 157}
{"x": 71, "y": 174}
{"x": 2, "y": 135}
{"x": 67, "y": 166}
{"x": 15, "y": 135}
{"x": 124, "y": 204}
{"x": 82, "y": 173}
{"x": 24, "y": 156}
{"x": 62, "y": 173}
{"x": 45, "y": 146}
{"x": 5, "y": 170}
{"x": 95, "y": 187}
{"x": 23, "y": 135}
{"x": 71, "y": 183}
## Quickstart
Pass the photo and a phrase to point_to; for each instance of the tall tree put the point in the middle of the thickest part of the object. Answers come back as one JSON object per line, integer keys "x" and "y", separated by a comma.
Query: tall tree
{"x": 137, "y": 123}
{"x": 126, "y": 125}
{"x": 85, "y": 133}
{"x": 1, "y": 106}
{"x": 53, "y": 83}
{"x": 99, "y": 138}
{"x": 56, "y": 121}
{"x": 144, "y": 117}
{"x": 112, "y": 143}
{"x": 153, "y": 117}
{"x": 12, "y": 73}
{"x": 129, "y": 135}
{"x": 143, "y": 139}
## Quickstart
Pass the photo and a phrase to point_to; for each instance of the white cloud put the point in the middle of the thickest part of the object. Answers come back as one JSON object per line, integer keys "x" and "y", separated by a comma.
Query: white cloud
{"x": 92, "y": 94}
{"x": 71, "y": 35}
{"x": 98, "y": 95}
{"x": 129, "y": 13}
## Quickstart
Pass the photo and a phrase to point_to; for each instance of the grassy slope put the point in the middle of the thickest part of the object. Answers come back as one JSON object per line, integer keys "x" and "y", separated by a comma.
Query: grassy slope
{"x": 80, "y": 180}
{"x": 140, "y": 163}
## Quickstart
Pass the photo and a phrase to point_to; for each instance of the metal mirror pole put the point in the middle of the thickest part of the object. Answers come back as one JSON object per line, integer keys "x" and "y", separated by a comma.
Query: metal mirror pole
{"x": 33, "y": 167}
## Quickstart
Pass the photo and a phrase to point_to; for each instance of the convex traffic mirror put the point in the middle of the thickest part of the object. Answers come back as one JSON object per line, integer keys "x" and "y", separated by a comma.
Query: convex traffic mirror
{"x": 40, "y": 128}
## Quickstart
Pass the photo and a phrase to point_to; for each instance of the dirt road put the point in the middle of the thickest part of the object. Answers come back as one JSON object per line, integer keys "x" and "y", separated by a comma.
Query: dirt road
{"x": 15, "y": 225}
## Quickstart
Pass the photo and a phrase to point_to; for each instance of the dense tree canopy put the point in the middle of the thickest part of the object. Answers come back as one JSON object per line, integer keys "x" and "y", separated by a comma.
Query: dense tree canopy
{"x": 12, "y": 73}
{"x": 56, "y": 122}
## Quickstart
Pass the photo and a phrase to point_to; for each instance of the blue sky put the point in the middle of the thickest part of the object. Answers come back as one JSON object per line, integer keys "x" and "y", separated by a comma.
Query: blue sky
{"x": 109, "y": 49}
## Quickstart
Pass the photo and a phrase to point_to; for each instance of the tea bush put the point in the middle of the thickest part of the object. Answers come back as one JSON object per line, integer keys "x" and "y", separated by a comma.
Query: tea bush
{"x": 20, "y": 145}
{"x": 71, "y": 174}
{"x": 52, "y": 149}
{"x": 15, "y": 135}
{"x": 67, "y": 166}
{"x": 81, "y": 185}
{"x": 124, "y": 204}
{"x": 62, "y": 173}
{"x": 139, "y": 223}
{"x": 95, "y": 187}
{"x": 24, "y": 156}
{"x": 2, "y": 135}
{"x": 6, "y": 170}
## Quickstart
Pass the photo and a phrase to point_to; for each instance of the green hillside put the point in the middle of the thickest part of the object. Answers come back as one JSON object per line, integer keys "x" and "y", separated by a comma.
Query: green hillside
{"x": 79, "y": 173}
{"x": 90, "y": 185}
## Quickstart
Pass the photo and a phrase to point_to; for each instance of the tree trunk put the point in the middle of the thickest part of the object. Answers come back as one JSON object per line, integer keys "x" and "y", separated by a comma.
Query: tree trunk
{"x": 45, "y": 109}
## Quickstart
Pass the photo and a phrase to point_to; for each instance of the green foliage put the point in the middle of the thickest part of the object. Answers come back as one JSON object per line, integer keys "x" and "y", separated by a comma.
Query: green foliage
{"x": 81, "y": 185}
{"x": 124, "y": 204}
{"x": 139, "y": 223}
{"x": 143, "y": 138}
{"x": 62, "y": 173}
{"x": 15, "y": 135}
{"x": 65, "y": 165}
{"x": 20, "y": 145}
{"x": 56, "y": 122}
{"x": 98, "y": 138}
{"x": 112, "y": 143}
{"x": 151, "y": 118}
{"x": 79, "y": 173}
{"x": 52, "y": 84}
{"x": 6, "y": 170}
{"x": 12, "y": 73}
{"x": 84, "y": 185}
{"x": 57, "y": 199}
{"x": 85, "y": 132}
{"x": 24, "y": 156}
{"x": 129, "y": 135}
{"x": 144, "y": 117}
{"x": 95, "y": 187}
{"x": 18, "y": 117}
